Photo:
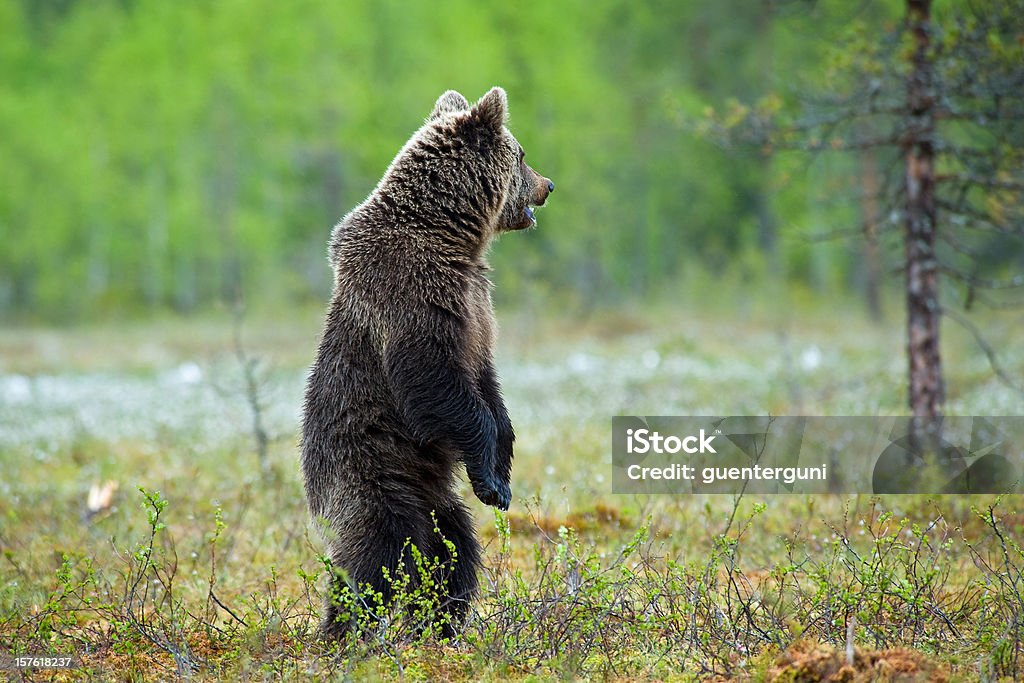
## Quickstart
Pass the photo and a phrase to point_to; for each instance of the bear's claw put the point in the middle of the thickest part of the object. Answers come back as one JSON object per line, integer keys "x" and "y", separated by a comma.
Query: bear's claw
{"x": 494, "y": 493}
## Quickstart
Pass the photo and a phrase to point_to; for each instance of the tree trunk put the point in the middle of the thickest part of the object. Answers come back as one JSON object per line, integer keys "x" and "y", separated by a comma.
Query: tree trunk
{"x": 923, "y": 312}
{"x": 870, "y": 186}
{"x": 767, "y": 225}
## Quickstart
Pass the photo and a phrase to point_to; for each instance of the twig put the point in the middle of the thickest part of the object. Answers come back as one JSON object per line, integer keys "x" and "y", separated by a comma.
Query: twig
{"x": 990, "y": 353}
{"x": 252, "y": 386}
{"x": 227, "y": 609}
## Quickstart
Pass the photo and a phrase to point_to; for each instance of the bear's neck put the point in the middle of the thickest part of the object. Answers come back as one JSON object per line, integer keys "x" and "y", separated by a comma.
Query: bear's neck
{"x": 453, "y": 234}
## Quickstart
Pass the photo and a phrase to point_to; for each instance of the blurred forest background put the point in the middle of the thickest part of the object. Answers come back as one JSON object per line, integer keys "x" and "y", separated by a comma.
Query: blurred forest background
{"x": 169, "y": 155}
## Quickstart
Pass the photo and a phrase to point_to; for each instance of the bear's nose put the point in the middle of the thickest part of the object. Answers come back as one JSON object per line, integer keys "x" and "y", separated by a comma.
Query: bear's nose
{"x": 551, "y": 186}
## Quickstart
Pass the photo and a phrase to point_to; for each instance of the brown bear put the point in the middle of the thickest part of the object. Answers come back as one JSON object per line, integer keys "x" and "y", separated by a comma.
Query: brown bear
{"x": 403, "y": 388}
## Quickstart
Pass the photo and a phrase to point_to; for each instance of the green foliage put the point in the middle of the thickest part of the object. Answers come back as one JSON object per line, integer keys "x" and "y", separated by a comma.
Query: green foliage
{"x": 174, "y": 155}
{"x": 415, "y": 612}
{"x": 168, "y": 154}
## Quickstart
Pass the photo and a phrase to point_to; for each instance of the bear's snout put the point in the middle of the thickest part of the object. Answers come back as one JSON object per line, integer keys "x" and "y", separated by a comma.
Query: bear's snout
{"x": 542, "y": 189}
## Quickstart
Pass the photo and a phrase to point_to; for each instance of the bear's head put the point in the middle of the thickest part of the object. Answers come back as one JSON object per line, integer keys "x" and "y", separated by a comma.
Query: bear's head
{"x": 475, "y": 166}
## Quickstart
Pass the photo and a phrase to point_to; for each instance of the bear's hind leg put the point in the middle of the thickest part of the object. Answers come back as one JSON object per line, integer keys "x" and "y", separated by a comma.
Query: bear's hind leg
{"x": 367, "y": 559}
{"x": 459, "y": 576}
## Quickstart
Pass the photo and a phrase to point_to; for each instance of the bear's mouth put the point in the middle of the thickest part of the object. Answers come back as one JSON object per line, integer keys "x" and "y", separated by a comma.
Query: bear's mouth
{"x": 527, "y": 220}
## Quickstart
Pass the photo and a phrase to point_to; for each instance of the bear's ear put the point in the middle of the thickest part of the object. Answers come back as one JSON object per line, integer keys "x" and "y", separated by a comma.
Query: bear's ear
{"x": 450, "y": 102}
{"x": 492, "y": 109}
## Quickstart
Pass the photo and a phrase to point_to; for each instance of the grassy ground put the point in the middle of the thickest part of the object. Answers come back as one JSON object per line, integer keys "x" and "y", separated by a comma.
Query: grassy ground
{"x": 202, "y": 563}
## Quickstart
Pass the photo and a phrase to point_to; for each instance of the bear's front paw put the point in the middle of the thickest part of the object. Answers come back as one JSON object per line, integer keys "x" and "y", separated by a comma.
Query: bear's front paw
{"x": 493, "y": 492}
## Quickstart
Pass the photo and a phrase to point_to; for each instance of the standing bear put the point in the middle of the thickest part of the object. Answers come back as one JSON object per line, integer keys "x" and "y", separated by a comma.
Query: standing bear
{"x": 403, "y": 388}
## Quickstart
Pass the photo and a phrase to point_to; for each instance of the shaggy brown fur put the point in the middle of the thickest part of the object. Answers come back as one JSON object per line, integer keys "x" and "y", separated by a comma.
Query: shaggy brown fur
{"x": 403, "y": 387}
